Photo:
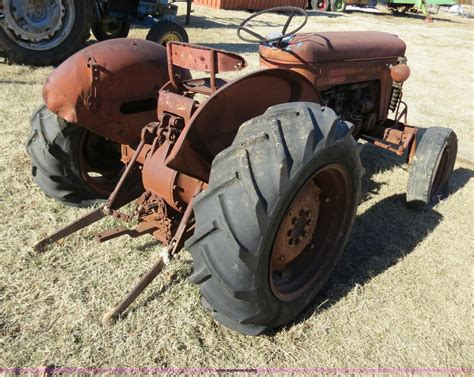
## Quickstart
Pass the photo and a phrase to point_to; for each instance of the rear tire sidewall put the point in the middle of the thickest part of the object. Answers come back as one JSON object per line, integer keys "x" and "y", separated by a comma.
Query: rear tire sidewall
{"x": 339, "y": 153}
{"x": 55, "y": 148}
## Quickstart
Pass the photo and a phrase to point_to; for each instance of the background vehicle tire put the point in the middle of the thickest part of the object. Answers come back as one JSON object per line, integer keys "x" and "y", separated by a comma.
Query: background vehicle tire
{"x": 320, "y": 5}
{"x": 70, "y": 163}
{"x": 338, "y": 6}
{"x": 434, "y": 162}
{"x": 167, "y": 31}
{"x": 110, "y": 28}
{"x": 254, "y": 187}
{"x": 37, "y": 42}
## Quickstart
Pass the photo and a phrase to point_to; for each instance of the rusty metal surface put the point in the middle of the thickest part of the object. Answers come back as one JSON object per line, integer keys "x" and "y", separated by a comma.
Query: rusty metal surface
{"x": 177, "y": 148}
{"x": 174, "y": 246}
{"x": 400, "y": 73}
{"x": 110, "y": 87}
{"x": 336, "y": 47}
{"x": 321, "y": 208}
{"x": 393, "y": 137}
{"x": 83, "y": 222}
{"x": 337, "y": 58}
{"x": 175, "y": 188}
{"x": 297, "y": 227}
{"x": 130, "y": 92}
{"x": 156, "y": 217}
{"x": 215, "y": 123}
{"x": 203, "y": 59}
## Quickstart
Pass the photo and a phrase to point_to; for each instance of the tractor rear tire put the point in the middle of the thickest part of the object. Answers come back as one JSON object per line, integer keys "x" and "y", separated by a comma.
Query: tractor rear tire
{"x": 61, "y": 160}
{"x": 243, "y": 216}
{"x": 167, "y": 31}
{"x": 432, "y": 167}
{"x": 76, "y": 25}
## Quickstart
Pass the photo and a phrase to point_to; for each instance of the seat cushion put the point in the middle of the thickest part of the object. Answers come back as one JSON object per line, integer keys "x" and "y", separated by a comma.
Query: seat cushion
{"x": 335, "y": 46}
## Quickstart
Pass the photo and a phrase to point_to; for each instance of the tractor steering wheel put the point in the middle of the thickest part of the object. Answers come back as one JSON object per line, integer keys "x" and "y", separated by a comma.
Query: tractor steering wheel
{"x": 260, "y": 38}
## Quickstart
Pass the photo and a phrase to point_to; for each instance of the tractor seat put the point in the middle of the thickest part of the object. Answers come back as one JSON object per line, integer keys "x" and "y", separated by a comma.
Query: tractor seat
{"x": 203, "y": 86}
{"x": 201, "y": 59}
{"x": 334, "y": 47}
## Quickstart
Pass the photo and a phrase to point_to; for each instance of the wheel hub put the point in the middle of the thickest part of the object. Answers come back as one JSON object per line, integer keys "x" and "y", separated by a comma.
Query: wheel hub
{"x": 171, "y": 37}
{"x": 111, "y": 25}
{"x": 38, "y": 24}
{"x": 297, "y": 226}
{"x": 310, "y": 232}
{"x": 34, "y": 20}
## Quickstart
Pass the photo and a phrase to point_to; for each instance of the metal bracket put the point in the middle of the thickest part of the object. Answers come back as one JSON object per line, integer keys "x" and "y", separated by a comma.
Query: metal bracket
{"x": 122, "y": 231}
{"x": 95, "y": 75}
{"x": 174, "y": 246}
{"x": 393, "y": 140}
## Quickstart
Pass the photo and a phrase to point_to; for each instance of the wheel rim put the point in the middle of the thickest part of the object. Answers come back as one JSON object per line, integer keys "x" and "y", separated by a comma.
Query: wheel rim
{"x": 322, "y": 4}
{"x": 307, "y": 239}
{"x": 38, "y": 24}
{"x": 99, "y": 163}
{"x": 441, "y": 175}
{"x": 339, "y": 5}
{"x": 170, "y": 37}
{"x": 112, "y": 27}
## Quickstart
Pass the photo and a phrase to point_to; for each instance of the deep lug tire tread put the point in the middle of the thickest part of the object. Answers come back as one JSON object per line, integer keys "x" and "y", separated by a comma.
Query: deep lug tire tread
{"x": 54, "y": 151}
{"x": 246, "y": 185}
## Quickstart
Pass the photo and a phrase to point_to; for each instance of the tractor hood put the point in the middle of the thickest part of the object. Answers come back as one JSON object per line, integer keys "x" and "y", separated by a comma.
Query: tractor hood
{"x": 335, "y": 47}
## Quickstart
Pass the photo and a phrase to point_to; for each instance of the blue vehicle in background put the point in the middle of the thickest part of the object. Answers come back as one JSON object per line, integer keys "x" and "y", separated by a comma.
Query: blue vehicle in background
{"x": 45, "y": 32}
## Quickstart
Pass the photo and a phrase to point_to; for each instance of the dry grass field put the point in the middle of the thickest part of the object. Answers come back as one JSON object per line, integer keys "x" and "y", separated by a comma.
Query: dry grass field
{"x": 401, "y": 297}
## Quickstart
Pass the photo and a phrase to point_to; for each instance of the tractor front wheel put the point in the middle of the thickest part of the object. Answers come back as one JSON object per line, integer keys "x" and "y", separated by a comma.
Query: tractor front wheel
{"x": 276, "y": 216}
{"x": 434, "y": 162}
{"x": 70, "y": 163}
{"x": 167, "y": 31}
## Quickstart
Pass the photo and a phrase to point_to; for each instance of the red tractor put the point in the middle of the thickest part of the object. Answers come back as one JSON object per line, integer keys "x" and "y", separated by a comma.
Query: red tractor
{"x": 261, "y": 175}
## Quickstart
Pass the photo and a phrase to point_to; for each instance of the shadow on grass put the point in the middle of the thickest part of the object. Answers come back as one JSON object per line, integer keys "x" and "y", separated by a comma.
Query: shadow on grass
{"x": 375, "y": 160}
{"x": 381, "y": 236}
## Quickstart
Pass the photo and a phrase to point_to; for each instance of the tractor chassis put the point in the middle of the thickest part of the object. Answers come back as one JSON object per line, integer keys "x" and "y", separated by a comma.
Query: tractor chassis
{"x": 172, "y": 225}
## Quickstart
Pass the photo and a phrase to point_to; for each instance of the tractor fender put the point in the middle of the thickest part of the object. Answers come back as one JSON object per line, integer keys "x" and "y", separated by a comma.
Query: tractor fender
{"x": 214, "y": 125}
{"x": 110, "y": 88}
